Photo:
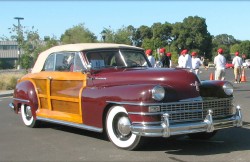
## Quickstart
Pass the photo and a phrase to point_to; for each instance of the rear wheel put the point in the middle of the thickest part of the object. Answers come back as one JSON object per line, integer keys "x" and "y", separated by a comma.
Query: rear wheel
{"x": 27, "y": 116}
{"x": 118, "y": 129}
{"x": 202, "y": 135}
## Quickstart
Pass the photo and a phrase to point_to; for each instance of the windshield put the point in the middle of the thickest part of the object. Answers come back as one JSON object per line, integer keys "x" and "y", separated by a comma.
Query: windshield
{"x": 117, "y": 58}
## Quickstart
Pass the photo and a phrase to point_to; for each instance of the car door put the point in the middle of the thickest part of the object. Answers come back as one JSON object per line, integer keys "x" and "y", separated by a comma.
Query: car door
{"x": 59, "y": 88}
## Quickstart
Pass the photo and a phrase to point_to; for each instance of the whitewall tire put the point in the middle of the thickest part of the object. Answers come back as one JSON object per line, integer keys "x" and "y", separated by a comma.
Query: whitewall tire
{"x": 27, "y": 116}
{"x": 118, "y": 129}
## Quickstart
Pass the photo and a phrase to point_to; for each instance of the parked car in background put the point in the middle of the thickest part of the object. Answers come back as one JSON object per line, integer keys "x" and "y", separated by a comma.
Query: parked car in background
{"x": 246, "y": 64}
{"x": 229, "y": 65}
{"x": 112, "y": 88}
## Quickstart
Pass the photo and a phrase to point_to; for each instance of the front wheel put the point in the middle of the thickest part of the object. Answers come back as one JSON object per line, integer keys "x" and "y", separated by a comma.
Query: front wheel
{"x": 27, "y": 116}
{"x": 118, "y": 129}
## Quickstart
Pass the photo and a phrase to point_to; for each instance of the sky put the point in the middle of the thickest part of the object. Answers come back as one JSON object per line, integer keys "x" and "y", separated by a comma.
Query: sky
{"x": 53, "y": 18}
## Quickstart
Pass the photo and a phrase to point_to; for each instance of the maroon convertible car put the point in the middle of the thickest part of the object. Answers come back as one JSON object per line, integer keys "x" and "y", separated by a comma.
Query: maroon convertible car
{"x": 112, "y": 88}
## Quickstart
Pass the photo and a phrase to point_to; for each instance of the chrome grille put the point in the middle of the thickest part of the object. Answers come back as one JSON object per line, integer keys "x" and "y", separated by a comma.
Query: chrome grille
{"x": 197, "y": 110}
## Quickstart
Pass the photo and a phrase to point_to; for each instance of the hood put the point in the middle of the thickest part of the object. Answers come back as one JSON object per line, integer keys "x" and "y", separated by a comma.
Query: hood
{"x": 183, "y": 83}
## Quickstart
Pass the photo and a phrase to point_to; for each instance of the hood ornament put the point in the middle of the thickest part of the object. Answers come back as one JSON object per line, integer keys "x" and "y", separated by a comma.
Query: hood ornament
{"x": 196, "y": 85}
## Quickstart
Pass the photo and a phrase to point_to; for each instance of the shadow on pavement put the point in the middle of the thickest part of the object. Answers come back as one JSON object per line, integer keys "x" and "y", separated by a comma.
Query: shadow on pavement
{"x": 225, "y": 141}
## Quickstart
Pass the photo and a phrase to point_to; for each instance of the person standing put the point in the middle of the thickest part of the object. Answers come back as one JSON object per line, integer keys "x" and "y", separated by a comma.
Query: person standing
{"x": 196, "y": 63}
{"x": 163, "y": 58}
{"x": 184, "y": 60}
{"x": 150, "y": 57}
{"x": 237, "y": 62}
{"x": 169, "y": 57}
{"x": 220, "y": 64}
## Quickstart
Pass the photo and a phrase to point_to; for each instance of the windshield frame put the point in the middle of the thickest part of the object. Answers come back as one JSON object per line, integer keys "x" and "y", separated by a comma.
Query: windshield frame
{"x": 102, "y": 58}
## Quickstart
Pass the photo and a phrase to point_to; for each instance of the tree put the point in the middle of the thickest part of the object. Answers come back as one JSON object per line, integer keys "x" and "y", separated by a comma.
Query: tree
{"x": 234, "y": 48}
{"x": 224, "y": 39}
{"x": 109, "y": 35}
{"x": 29, "y": 42}
{"x": 143, "y": 33}
{"x": 162, "y": 32}
{"x": 245, "y": 48}
{"x": 78, "y": 34}
{"x": 26, "y": 61}
{"x": 192, "y": 34}
{"x": 123, "y": 36}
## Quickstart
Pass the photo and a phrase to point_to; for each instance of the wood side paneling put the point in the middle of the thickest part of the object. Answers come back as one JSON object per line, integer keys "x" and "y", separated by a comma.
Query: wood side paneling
{"x": 41, "y": 86}
{"x": 64, "y": 106}
{"x": 64, "y": 88}
{"x": 43, "y": 103}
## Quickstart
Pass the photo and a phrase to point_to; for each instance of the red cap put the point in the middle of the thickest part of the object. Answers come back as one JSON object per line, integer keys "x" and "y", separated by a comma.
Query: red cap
{"x": 168, "y": 54}
{"x": 194, "y": 53}
{"x": 185, "y": 51}
{"x": 237, "y": 53}
{"x": 149, "y": 52}
{"x": 162, "y": 50}
{"x": 220, "y": 51}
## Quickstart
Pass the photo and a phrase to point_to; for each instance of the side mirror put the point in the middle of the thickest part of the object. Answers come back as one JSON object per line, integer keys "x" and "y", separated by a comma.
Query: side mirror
{"x": 89, "y": 66}
{"x": 88, "y": 70}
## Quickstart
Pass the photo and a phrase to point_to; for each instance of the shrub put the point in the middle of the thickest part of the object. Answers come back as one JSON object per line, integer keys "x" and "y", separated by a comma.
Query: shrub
{"x": 8, "y": 80}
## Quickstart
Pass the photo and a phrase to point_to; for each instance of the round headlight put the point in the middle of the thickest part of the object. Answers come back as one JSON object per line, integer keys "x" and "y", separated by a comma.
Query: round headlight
{"x": 158, "y": 93}
{"x": 228, "y": 88}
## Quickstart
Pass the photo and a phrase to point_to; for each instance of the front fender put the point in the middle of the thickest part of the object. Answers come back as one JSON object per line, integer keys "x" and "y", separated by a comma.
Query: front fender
{"x": 213, "y": 88}
{"x": 95, "y": 100}
{"x": 25, "y": 93}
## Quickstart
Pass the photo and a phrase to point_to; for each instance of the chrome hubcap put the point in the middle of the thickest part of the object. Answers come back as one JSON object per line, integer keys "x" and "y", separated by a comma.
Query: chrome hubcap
{"x": 28, "y": 112}
{"x": 124, "y": 126}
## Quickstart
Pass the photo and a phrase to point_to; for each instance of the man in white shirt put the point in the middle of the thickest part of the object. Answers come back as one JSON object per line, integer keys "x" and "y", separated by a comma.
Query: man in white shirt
{"x": 184, "y": 60}
{"x": 220, "y": 64}
{"x": 196, "y": 63}
{"x": 150, "y": 57}
{"x": 237, "y": 62}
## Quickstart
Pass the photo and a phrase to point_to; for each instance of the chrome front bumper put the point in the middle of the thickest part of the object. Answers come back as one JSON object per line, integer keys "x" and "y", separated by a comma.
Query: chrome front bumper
{"x": 165, "y": 129}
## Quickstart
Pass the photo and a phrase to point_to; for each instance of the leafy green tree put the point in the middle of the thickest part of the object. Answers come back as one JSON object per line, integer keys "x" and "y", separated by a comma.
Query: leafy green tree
{"x": 26, "y": 61}
{"x": 162, "y": 32}
{"x": 192, "y": 34}
{"x": 143, "y": 33}
{"x": 109, "y": 35}
{"x": 78, "y": 34}
{"x": 234, "y": 48}
{"x": 123, "y": 36}
{"x": 245, "y": 48}
{"x": 224, "y": 39}
{"x": 29, "y": 43}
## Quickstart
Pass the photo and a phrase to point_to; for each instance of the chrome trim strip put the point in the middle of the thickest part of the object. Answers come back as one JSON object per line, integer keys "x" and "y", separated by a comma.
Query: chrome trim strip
{"x": 192, "y": 99}
{"x": 18, "y": 99}
{"x": 144, "y": 113}
{"x": 100, "y": 78}
{"x": 147, "y": 123}
{"x": 185, "y": 101}
{"x": 81, "y": 126}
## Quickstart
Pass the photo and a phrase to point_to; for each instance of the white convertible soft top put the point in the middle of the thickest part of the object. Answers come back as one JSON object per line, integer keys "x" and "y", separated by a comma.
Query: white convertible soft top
{"x": 74, "y": 48}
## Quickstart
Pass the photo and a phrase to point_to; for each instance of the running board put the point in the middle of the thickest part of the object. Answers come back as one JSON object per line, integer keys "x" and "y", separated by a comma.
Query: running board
{"x": 81, "y": 126}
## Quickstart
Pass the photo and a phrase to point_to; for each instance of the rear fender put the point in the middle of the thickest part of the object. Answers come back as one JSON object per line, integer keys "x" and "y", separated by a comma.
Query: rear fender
{"x": 25, "y": 93}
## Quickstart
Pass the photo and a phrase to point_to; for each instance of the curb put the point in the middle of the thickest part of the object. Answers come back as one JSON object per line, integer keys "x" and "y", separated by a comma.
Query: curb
{"x": 6, "y": 94}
